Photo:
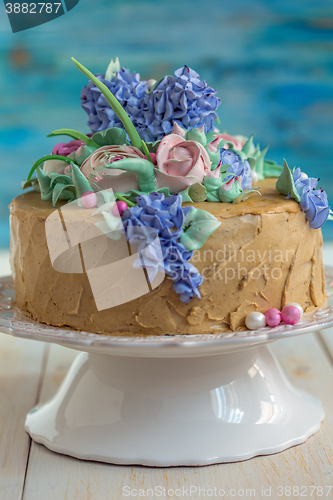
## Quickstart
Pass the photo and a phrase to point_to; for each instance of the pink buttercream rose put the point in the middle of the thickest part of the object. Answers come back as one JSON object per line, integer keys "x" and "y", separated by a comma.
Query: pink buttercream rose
{"x": 95, "y": 168}
{"x": 237, "y": 141}
{"x": 180, "y": 163}
{"x": 64, "y": 149}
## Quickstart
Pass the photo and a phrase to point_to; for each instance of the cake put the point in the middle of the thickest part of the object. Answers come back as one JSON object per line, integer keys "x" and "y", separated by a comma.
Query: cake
{"x": 157, "y": 223}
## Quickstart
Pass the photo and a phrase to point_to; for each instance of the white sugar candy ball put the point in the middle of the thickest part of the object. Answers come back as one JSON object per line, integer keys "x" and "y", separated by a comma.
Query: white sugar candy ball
{"x": 255, "y": 320}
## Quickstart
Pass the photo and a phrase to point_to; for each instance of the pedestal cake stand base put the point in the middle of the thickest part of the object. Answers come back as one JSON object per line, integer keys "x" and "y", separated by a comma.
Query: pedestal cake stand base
{"x": 175, "y": 411}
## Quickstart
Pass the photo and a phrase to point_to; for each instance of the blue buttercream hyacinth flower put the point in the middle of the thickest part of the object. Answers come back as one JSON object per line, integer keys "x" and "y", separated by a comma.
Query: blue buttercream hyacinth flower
{"x": 159, "y": 219}
{"x": 126, "y": 87}
{"x": 237, "y": 167}
{"x": 183, "y": 99}
{"x": 312, "y": 201}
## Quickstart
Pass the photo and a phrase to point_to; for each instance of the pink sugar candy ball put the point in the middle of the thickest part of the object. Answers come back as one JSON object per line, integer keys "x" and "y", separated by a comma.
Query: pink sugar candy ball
{"x": 119, "y": 208}
{"x": 273, "y": 317}
{"x": 89, "y": 199}
{"x": 290, "y": 315}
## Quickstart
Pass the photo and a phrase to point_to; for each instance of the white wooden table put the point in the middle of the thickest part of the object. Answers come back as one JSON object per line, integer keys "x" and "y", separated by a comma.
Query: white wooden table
{"x": 32, "y": 371}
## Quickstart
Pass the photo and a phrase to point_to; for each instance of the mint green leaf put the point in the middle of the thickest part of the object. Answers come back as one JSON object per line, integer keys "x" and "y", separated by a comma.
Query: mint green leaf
{"x": 185, "y": 196}
{"x": 63, "y": 192}
{"x": 248, "y": 145}
{"x": 44, "y": 184}
{"x": 32, "y": 183}
{"x": 201, "y": 224}
{"x": 285, "y": 183}
{"x": 271, "y": 169}
{"x": 80, "y": 182}
{"x": 196, "y": 134}
{"x": 113, "y": 136}
{"x": 197, "y": 192}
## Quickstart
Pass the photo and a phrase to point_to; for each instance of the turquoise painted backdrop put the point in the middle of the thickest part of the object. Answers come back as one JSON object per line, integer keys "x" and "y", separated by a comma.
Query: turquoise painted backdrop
{"x": 271, "y": 62}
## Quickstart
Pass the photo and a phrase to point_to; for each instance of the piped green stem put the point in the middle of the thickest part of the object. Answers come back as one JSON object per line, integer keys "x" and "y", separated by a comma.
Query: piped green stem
{"x": 45, "y": 158}
{"x": 115, "y": 105}
{"x": 129, "y": 203}
{"x": 75, "y": 135}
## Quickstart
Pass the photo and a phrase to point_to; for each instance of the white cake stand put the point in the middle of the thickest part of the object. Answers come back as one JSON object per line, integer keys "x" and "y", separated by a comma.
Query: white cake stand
{"x": 168, "y": 401}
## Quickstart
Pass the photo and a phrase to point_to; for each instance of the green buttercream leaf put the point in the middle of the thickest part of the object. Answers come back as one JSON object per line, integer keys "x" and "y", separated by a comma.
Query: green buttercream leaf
{"x": 44, "y": 184}
{"x": 200, "y": 224}
{"x": 75, "y": 135}
{"x": 85, "y": 151}
{"x": 248, "y": 145}
{"x": 197, "y": 192}
{"x": 214, "y": 158}
{"x": 115, "y": 105}
{"x": 63, "y": 192}
{"x": 246, "y": 195}
{"x": 285, "y": 183}
{"x": 232, "y": 193}
{"x": 259, "y": 168}
{"x": 185, "y": 196}
{"x": 194, "y": 192}
{"x": 113, "y": 136}
{"x": 47, "y": 157}
{"x": 32, "y": 183}
{"x": 60, "y": 179}
{"x": 144, "y": 170}
{"x": 164, "y": 190}
{"x": 196, "y": 134}
{"x": 153, "y": 146}
{"x": 271, "y": 169}
{"x": 252, "y": 162}
{"x": 210, "y": 136}
{"x": 80, "y": 182}
{"x": 212, "y": 185}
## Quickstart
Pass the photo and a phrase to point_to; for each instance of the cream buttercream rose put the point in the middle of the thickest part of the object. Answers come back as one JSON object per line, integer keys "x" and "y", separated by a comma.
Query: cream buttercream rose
{"x": 95, "y": 168}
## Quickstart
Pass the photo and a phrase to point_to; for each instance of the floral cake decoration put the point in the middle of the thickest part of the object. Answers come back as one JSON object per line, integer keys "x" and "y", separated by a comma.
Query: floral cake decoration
{"x": 155, "y": 144}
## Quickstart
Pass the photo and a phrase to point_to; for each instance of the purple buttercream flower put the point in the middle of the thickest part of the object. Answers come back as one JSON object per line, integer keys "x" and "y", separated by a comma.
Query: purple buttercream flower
{"x": 158, "y": 217}
{"x": 237, "y": 167}
{"x": 313, "y": 201}
{"x": 183, "y": 99}
{"x": 126, "y": 87}
{"x": 65, "y": 149}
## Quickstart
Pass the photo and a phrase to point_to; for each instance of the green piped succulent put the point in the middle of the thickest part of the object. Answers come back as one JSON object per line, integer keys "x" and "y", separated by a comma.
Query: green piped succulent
{"x": 57, "y": 187}
{"x": 214, "y": 189}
